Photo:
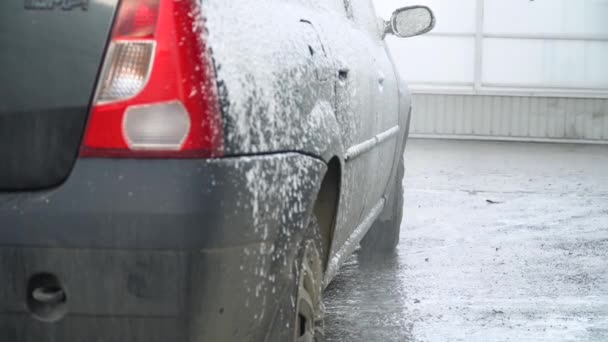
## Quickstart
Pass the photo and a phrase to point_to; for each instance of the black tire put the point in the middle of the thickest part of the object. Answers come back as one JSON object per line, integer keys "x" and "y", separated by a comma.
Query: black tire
{"x": 383, "y": 236}
{"x": 310, "y": 311}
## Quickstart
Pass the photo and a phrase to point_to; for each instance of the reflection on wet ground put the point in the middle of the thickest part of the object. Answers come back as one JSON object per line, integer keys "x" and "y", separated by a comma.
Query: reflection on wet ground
{"x": 500, "y": 242}
{"x": 368, "y": 301}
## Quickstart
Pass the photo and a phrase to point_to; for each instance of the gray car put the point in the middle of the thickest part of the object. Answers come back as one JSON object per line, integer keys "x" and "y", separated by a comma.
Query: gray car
{"x": 178, "y": 171}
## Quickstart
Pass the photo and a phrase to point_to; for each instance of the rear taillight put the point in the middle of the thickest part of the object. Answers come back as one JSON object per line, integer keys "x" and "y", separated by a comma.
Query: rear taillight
{"x": 156, "y": 95}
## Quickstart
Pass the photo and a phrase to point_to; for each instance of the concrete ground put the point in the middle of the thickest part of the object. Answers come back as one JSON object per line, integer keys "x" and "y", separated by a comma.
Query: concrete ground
{"x": 500, "y": 242}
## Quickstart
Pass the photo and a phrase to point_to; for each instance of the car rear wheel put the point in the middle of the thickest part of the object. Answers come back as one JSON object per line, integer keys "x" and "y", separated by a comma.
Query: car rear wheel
{"x": 309, "y": 320}
{"x": 383, "y": 236}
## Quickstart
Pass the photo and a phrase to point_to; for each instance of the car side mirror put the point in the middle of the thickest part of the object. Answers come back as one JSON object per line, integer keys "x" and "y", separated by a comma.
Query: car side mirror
{"x": 410, "y": 21}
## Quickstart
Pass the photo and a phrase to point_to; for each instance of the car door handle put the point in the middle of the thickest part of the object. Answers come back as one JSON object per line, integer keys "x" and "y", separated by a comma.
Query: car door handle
{"x": 381, "y": 77}
{"x": 343, "y": 74}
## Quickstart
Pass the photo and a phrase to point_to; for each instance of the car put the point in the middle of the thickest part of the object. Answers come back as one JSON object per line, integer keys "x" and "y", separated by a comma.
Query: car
{"x": 178, "y": 171}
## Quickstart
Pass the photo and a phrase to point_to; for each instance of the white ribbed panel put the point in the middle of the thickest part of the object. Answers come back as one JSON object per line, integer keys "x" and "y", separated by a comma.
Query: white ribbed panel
{"x": 510, "y": 117}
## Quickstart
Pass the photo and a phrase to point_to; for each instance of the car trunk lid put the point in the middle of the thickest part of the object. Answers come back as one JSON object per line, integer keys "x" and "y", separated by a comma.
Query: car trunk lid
{"x": 51, "y": 54}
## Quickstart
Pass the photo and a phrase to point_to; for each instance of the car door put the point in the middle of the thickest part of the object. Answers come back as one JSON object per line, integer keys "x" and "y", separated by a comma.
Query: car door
{"x": 350, "y": 36}
{"x": 385, "y": 102}
{"x": 380, "y": 114}
{"x": 353, "y": 107}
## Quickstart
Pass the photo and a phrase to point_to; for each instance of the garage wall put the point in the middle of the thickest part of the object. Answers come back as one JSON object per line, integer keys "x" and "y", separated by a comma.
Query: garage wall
{"x": 516, "y": 69}
{"x": 510, "y": 118}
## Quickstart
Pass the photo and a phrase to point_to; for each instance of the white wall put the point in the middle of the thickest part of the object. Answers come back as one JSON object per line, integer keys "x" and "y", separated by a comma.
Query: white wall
{"x": 507, "y": 47}
{"x": 521, "y": 118}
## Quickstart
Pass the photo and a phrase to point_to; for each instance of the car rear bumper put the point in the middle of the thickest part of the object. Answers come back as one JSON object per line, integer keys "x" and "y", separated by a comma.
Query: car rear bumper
{"x": 160, "y": 250}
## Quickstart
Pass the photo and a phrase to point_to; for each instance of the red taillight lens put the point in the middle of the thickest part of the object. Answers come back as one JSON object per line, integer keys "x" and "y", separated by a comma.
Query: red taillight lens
{"x": 156, "y": 96}
{"x": 136, "y": 19}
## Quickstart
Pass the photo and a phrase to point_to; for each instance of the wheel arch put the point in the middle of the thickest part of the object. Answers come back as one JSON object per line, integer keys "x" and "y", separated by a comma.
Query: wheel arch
{"x": 326, "y": 206}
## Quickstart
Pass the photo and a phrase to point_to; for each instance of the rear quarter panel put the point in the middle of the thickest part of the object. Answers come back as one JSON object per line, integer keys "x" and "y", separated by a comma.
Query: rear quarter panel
{"x": 271, "y": 96}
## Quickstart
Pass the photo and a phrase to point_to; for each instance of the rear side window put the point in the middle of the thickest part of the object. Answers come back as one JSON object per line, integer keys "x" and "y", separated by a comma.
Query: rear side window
{"x": 363, "y": 13}
{"x": 336, "y": 6}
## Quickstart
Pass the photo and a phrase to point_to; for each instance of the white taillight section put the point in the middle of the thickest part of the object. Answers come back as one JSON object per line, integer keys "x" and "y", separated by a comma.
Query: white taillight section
{"x": 126, "y": 70}
{"x": 159, "y": 127}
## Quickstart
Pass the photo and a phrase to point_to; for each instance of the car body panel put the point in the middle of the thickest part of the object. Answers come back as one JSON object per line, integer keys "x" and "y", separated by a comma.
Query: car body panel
{"x": 164, "y": 204}
{"x": 272, "y": 83}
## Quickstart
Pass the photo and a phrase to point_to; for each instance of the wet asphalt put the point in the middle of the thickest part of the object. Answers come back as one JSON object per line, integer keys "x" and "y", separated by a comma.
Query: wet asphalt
{"x": 501, "y": 241}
